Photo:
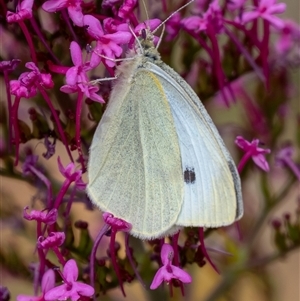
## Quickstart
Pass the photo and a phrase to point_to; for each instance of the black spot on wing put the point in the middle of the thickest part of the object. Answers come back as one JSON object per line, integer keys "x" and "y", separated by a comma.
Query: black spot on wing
{"x": 189, "y": 175}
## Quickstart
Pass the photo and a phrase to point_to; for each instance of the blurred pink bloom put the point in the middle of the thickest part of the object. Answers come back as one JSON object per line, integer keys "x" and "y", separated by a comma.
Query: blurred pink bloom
{"x": 7, "y": 66}
{"x": 110, "y": 3}
{"x": 107, "y": 45}
{"x": 30, "y": 168}
{"x": 50, "y": 147}
{"x": 73, "y": 6}
{"x": 4, "y": 293}
{"x": 47, "y": 217}
{"x": 284, "y": 153}
{"x": 77, "y": 78}
{"x": 23, "y": 12}
{"x": 123, "y": 9}
{"x": 26, "y": 85}
{"x": 16, "y": 88}
{"x": 199, "y": 6}
{"x": 116, "y": 223}
{"x": 110, "y": 25}
{"x": 173, "y": 26}
{"x": 168, "y": 271}
{"x": 48, "y": 282}
{"x": 288, "y": 37}
{"x": 30, "y": 161}
{"x": 71, "y": 174}
{"x": 213, "y": 17}
{"x": 252, "y": 150}
{"x": 127, "y": 8}
{"x": 54, "y": 240}
{"x": 266, "y": 10}
{"x": 235, "y": 4}
{"x": 70, "y": 288}
{"x": 284, "y": 158}
{"x": 194, "y": 23}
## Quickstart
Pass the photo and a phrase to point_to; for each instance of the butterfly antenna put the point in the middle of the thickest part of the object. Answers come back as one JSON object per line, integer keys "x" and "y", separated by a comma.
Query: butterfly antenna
{"x": 161, "y": 36}
{"x": 146, "y": 11}
{"x": 175, "y": 12}
{"x": 136, "y": 38}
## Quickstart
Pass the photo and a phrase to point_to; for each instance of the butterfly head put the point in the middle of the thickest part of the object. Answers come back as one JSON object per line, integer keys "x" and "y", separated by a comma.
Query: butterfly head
{"x": 146, "y": 45}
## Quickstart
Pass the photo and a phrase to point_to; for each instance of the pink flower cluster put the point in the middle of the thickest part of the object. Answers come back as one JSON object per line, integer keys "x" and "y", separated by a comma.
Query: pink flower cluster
{"x": 97, "y": 42}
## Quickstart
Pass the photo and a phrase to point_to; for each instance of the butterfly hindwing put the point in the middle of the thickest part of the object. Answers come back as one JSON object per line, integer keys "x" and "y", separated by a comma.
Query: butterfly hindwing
{"x": 212, "y": 186}
{"x": 135, "y": 165}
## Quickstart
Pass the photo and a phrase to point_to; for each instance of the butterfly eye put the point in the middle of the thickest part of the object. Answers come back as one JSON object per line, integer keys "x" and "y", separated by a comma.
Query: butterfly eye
{"x": 189, "y": 175}
{"x": 144, "y": 33}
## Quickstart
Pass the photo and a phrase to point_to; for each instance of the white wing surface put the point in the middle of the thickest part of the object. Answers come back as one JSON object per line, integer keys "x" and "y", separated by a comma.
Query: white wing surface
{"x": 135, "y": 165}
{"x": 212, "y": 189}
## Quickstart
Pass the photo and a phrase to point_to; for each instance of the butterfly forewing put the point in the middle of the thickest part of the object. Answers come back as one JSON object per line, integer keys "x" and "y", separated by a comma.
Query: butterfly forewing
{"x": 135, "y": 165}
{"x": 212, "y": 187}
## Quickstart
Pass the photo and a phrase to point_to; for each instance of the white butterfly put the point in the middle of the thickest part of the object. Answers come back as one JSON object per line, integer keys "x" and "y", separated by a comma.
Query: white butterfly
{"x": 157, "y": 160}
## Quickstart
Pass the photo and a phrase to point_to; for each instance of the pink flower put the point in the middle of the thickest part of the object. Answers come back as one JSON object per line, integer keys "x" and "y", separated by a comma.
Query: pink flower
{"x": 173, "y": 26}
{"x": 26, "y": 85}
{"x": 71, "y": 288}
{"x": 122, "y": 9}
{"x": 73, "y": 6}
{"x": 116, "y": 224}
{"x": 23, "y": 12}
{"x": 194, "y": 23}
{"x": 266, "y": 10}
{"x": 30, "y": 161}
{"x": 16, "y": 88}
{"x": 71, "y": 174}
{"x": 54, "y": 240}
{"x": 108, "y": 45}
{"x": 111, "y": 25}
{"x": 213, "y": 17}
{"x": 4, "y": 293}
{"x": 47, "y": 217}
{"x": 50, "y": 147}
{"x": 77, "y": 74}
{"x": 48, "y": 282}
{"x": 7, "y": 66}
{"x": 289, "y": 36}
{"x": 168, "y": 271}
{"x": 77, "y": 78}
{"x": 199, "y": 6}
{"x": 127, "y": 8}
{"x": 252, "y": 150}
{"x": 90, "y": 92}
{"x": 284, "y": 158}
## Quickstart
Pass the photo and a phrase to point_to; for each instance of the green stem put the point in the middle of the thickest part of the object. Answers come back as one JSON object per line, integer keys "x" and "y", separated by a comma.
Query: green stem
{"x": 270, "y": 258}
{"x": 271, "y": 204}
